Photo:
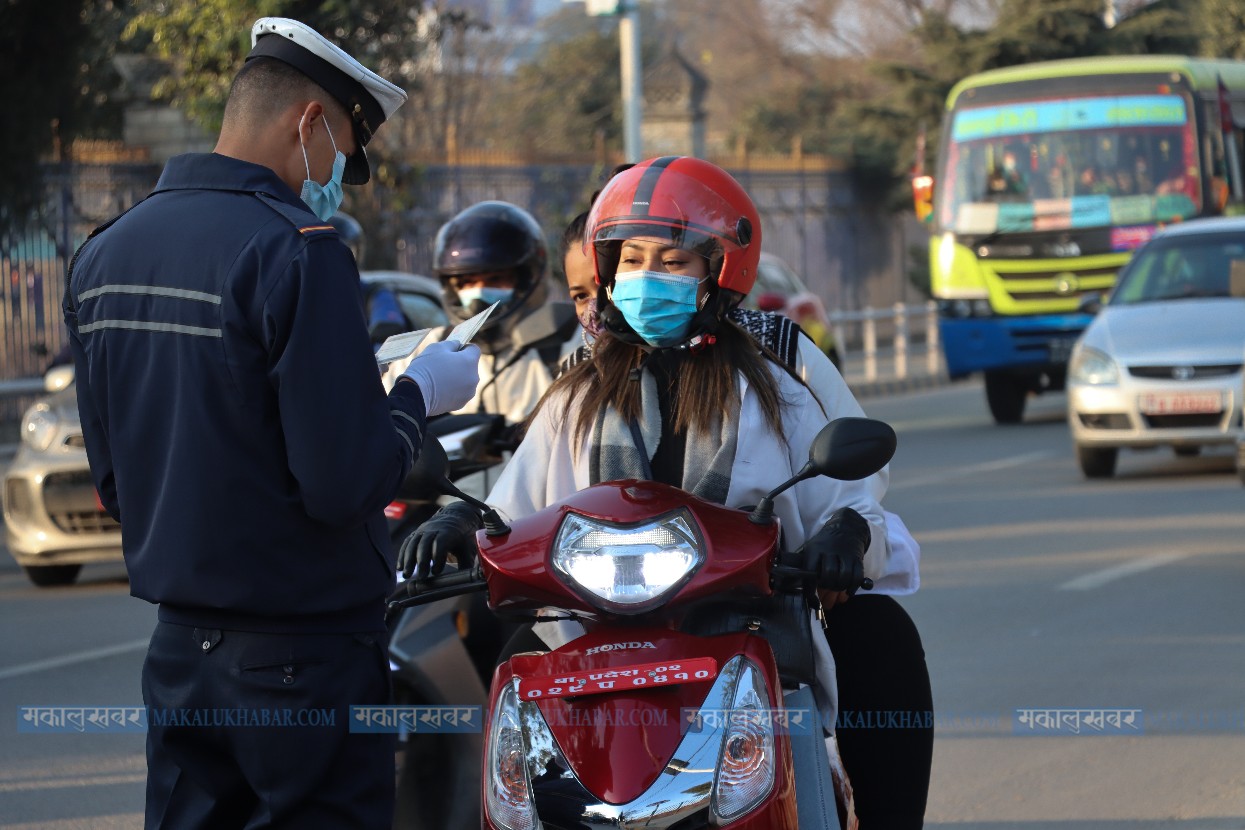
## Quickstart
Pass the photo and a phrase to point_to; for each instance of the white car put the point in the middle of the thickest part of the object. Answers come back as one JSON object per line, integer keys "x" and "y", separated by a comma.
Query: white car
{"x": 1160, "y": 365}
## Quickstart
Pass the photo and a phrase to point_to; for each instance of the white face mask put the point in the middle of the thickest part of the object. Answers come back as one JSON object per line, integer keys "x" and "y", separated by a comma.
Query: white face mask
{"x": 323, "y": 199}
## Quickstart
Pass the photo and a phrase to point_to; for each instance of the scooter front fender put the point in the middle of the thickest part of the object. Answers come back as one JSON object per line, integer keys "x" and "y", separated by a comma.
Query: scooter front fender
{"x": 605, "y": 760}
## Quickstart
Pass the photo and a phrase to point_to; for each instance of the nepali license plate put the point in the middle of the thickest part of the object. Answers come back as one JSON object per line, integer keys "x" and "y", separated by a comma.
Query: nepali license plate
{"x": 619, "y": 679}
{"x": 1060, "y": 349}
{"x": 1180, "y": 403}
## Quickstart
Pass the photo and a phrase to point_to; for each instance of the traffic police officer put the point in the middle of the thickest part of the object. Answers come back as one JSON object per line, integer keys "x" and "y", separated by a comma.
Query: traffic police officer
{"x": 236, "y": 425}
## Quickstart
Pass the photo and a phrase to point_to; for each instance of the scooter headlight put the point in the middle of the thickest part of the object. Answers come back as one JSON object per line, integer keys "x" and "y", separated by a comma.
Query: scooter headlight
{"x": 628, "y": 569}
{"x": 746, "y": 768}
{"x": 508, "y": 793}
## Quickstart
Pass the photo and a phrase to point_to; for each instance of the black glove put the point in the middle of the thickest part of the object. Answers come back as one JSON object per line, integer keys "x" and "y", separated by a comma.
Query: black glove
{"x": 452, "y": 529}
{"x": 836, "y": 553}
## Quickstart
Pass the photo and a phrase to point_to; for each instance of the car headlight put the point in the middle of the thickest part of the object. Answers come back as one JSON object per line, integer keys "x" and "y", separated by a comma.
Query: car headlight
{"x": 1093, "y": 367}
{"x": 39, "y": 427}
{"x": 628, "y": 568}
{"x": 746, "y": 765}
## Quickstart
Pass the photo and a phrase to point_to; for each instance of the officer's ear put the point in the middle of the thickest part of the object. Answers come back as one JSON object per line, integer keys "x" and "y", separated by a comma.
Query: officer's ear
{"x": 309, "y": 120}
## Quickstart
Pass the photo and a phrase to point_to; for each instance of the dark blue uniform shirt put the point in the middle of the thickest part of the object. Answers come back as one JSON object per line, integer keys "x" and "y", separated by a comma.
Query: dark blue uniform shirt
{"x": 233, "y": 412}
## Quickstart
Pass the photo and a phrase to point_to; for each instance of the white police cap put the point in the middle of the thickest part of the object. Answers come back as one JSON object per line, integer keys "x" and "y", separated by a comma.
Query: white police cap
{"x": 368, "y": 98}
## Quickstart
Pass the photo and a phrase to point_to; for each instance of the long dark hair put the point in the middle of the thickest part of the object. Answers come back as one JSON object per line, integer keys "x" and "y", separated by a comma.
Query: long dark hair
{"x": 606, "y": 380}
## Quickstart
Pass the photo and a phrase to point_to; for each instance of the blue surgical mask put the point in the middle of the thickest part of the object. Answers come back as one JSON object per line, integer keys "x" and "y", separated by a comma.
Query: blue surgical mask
{"x": 658, "y": 305}
{"x": 488, "y": 296}
{"x": 324, "y": 199}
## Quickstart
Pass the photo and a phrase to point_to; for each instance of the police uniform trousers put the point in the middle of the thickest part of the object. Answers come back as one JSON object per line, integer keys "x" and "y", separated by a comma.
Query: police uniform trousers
{"x": 213, "y": 763}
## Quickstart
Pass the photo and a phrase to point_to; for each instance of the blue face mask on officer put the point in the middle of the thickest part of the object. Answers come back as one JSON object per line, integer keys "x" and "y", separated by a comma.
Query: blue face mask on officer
{"x": 323, "y": 199}
{"x": 658, "y": 305}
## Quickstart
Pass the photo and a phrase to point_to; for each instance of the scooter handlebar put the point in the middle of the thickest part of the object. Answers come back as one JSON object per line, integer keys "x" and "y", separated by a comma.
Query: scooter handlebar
{"x": 423, "y": 591}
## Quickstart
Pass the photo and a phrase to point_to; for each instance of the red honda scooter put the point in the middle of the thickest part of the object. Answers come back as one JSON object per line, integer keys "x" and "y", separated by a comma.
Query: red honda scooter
{"x": 687, "y": 703}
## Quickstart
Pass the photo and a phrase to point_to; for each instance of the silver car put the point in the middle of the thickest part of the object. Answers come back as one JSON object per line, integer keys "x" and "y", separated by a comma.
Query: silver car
{"x": 53, "y": 520}
{"x": 1160, "y": 365}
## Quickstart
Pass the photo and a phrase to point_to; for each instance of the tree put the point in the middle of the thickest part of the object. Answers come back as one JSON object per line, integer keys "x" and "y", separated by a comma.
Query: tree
{"x": 569, "y": 97}
{"x": 57, "y": 83}
{"x": 1224, "y": 21}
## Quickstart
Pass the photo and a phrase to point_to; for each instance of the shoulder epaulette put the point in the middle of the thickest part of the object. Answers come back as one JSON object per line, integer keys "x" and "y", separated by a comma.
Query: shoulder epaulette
{"x": 775, "y": 332}
{"x": 303, "y": 221}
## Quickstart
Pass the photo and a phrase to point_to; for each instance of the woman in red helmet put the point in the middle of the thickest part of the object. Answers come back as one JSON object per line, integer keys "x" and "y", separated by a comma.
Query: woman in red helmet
{"x": 682, "y": 386}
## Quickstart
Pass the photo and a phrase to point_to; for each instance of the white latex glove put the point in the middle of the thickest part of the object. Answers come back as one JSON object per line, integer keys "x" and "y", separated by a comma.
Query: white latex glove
{"x": 447, "y": 375}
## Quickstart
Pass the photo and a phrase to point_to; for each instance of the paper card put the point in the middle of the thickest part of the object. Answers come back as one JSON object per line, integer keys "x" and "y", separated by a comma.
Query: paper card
{"x": 400, "y": 346}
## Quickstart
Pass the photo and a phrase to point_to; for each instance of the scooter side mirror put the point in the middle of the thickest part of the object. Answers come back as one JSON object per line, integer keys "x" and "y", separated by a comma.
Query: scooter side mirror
{"x": 847, "y": 449}
{"x": 850, "y": 449}
{"x": 429, "y": 472}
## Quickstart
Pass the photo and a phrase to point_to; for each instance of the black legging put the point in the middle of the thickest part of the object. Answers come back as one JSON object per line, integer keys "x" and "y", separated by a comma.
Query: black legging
{"x": 886, "y": 710}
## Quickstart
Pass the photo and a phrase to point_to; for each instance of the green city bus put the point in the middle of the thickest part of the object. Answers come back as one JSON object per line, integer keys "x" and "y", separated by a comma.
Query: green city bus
{"x": 1049, "y": 175}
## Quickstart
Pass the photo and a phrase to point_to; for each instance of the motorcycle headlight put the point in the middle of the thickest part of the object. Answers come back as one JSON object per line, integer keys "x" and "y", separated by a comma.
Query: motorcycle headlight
{"x": 39, "y": 427}
{"x": 508, "y": 792}
{"x": 746, "y": 765}
{"x": 1093, "y": 367}
{"x": 628, "y": 568}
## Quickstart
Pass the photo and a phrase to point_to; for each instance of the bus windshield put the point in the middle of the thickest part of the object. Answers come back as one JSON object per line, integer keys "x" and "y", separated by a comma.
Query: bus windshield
{"x": 1073, "y": 162}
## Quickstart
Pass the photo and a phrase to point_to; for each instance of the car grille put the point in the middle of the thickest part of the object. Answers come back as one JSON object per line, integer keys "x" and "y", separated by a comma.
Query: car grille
{"x": 1184, "y": 421}
{"x": 72, "y": 506}
{"x": 1185, "y": 372}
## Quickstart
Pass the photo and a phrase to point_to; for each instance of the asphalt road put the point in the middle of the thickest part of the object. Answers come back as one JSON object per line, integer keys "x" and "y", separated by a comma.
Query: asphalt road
{"x": 1040, "y": 591}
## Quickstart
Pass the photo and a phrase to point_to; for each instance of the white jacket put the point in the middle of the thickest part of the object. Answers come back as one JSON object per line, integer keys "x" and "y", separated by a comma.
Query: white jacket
{"x": 546, "y": 468}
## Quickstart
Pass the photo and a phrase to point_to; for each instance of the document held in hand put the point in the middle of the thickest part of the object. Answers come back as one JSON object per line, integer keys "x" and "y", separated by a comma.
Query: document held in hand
{"x": 404, "y": 345}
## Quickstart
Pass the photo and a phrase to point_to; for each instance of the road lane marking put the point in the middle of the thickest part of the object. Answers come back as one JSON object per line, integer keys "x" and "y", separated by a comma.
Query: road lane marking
{"x": 961, "y": 472}
{"x": 76, "y": 657}
{"x": 70, "y": 783}
{"x": 1096, "y": 579}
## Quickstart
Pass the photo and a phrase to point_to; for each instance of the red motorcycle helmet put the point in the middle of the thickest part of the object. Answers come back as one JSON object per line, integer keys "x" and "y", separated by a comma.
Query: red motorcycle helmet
{"x": 695, "y": 205}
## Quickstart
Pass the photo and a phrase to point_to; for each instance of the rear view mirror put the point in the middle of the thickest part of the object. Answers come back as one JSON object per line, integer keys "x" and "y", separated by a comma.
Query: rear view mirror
{"x": 850, "y": 449}
{"x": 428, "y": 473}
{"x": 1090, "y": 303}
{"x": 847, "y": 449}
{"x": 58, "y": 378}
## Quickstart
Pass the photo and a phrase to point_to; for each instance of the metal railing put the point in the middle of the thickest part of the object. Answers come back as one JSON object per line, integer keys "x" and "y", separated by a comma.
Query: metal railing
{"x": 897, "y": 324}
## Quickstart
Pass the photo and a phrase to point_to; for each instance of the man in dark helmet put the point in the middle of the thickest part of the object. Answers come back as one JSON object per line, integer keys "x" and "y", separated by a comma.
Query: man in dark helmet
{"x": 495, "y": 252}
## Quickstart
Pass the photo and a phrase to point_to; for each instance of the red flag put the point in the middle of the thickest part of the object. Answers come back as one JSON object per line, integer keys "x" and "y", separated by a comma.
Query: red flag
{"x": 1226, "y": 122}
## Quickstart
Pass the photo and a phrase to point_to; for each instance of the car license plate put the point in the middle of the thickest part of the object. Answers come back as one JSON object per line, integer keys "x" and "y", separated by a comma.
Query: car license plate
{"x": 619, "y": 679}
{"x": 1181, "y": 403}
{"x": 1060, "y": 349}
